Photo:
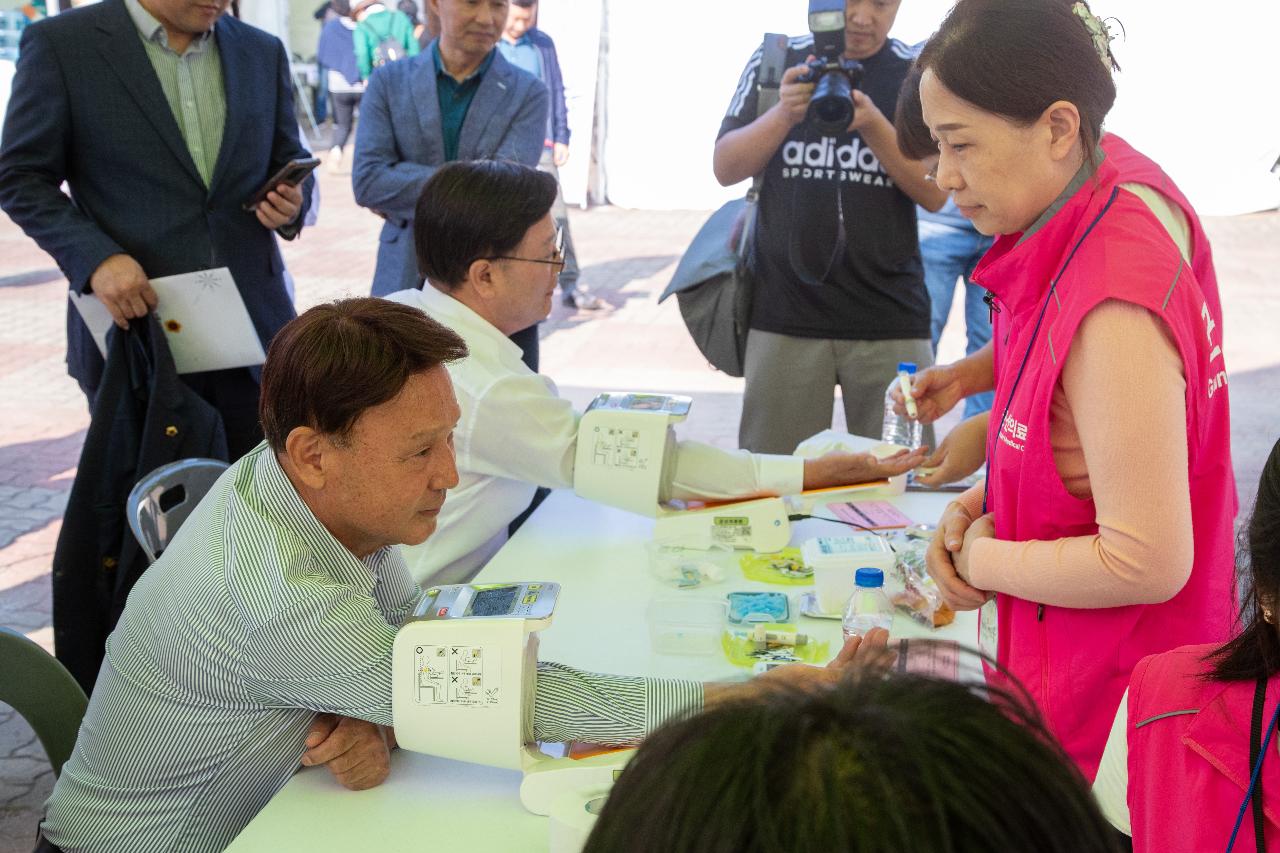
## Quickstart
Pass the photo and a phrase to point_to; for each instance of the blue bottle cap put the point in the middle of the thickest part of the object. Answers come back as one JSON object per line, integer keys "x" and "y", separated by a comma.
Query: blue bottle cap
{"x": 908, "y": 366}
{"x": 871, "y": 578}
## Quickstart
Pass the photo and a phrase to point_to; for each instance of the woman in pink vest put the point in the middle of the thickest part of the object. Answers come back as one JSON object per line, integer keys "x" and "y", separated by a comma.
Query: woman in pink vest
{"x": 1109, "y": 442}
{"x": 1176, "y": 771}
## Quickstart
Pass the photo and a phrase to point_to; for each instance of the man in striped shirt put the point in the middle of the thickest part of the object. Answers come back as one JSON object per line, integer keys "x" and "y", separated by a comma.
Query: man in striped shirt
{"x": 280, "y": 598}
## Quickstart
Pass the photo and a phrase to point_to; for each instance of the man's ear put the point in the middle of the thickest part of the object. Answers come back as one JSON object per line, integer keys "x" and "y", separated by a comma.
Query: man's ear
{"x": 481, "y": 275}
{"x": 1062, "y": 119}
{"x": 310, "y": 456}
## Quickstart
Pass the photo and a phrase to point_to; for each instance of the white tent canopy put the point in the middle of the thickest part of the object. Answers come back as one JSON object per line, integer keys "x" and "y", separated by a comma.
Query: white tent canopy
{"x": 1197, "y": 92}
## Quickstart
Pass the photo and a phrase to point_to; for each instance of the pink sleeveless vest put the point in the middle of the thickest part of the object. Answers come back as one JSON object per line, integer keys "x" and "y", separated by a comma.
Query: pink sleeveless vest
{"x": 1103, "y": 243}
{"x": 1188, "y": 773}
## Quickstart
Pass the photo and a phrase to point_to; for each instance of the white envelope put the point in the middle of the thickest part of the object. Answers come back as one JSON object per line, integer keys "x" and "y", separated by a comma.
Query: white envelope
{"x": 203, "y": 316}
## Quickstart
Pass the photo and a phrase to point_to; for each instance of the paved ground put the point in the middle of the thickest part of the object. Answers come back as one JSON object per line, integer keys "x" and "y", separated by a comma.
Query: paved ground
{"x": 627, "y": 257}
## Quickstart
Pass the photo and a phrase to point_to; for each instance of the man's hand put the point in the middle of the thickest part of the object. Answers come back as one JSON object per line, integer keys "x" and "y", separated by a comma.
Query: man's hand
{"x": 794, "y": 95}
{"x": 121, "y": 285}
{"x": 949, "y": 540}
{"x": 839, "y": 468}
{"x": 559, "y": 154}
{"x": 865, "y": 111}
{"x": 961, "y": 453}
{"x": 280, "y": 207}
{"x": 870, "y": 651}
{"x": 936, "y": 391}
{"x": 356, "y": 752}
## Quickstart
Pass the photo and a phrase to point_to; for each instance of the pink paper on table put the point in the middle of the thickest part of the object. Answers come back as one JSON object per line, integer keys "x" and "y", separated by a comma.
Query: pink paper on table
{"x": 872, "y": 515}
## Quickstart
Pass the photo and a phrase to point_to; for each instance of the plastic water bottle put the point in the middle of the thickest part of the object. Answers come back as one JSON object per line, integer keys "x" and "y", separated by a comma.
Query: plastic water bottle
{"x": 868, "y": 607}
{"x": 900, "y": 429}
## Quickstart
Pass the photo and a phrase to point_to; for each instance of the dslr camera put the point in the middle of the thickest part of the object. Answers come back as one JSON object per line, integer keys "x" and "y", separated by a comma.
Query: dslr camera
{"x": 831, "y": 109}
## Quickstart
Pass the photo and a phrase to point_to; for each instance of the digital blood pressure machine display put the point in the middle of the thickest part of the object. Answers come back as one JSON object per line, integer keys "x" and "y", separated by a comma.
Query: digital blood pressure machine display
{"x": 626, "y": 442}
{"x": 463, "y": 669}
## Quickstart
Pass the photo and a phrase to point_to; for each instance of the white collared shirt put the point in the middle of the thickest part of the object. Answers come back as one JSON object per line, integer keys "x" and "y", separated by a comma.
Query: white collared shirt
{"x": 516, "y": 434}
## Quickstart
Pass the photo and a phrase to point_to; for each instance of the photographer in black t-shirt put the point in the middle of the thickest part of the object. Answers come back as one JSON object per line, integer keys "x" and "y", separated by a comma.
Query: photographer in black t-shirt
{"x": 840, "y": 296}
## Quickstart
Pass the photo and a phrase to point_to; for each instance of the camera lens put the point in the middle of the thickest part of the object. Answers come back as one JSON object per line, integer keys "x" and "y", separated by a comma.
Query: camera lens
{"x": 831, "y": 109}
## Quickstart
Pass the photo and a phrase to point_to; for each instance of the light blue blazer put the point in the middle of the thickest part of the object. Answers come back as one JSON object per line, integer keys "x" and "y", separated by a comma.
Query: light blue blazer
{"x": 399, "y": 145}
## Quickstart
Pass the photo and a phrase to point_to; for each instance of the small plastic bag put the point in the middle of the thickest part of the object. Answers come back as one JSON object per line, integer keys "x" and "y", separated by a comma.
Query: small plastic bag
{"x": 686, "y": 568}
{"x": 919, "y": 595}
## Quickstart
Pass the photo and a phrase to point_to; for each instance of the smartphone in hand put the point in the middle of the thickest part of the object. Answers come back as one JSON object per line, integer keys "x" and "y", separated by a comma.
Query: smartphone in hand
{"x": 292, "y": 174}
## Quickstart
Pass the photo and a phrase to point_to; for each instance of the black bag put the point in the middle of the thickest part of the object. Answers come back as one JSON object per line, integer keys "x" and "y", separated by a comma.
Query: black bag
{"x": 714, "y": 288}
{"x": 712, "y": 282}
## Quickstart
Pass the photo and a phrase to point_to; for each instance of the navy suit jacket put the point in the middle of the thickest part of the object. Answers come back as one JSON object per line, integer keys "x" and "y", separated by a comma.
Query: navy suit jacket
{"x": 87, "y": 108}
{"x": 400, "y": 143}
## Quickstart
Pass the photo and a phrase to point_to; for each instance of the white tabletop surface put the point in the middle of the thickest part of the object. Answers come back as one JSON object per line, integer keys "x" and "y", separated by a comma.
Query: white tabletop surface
{"x": 599, "y": 557}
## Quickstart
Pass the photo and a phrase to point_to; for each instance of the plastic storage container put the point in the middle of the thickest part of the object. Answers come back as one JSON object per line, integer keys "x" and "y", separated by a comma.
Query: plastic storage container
{"x": 686, "y": 626}
{"x": 900, "y": 429}
{"x": 836, "y": 559}
{"x": 868, "y": 607}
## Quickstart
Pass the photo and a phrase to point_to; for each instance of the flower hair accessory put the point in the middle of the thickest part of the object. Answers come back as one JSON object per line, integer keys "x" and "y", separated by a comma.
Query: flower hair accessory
{"x": 1100, "y": 33}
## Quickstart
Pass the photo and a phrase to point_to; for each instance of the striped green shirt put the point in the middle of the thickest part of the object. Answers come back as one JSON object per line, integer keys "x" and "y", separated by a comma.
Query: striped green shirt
{"x": 254, "y": 619}
{"x": 192, "y": 84}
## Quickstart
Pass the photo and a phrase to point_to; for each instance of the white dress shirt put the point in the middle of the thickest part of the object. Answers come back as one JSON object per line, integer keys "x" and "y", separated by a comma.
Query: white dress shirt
{"x": 516, "y": 434}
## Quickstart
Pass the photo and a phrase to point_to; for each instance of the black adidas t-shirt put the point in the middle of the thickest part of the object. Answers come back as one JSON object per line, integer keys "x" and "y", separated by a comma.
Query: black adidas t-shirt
{"x": 875, "y": 289}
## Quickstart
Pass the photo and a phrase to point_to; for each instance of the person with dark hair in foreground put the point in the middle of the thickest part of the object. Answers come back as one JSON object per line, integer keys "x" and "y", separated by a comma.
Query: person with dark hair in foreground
{"x": 488, "y": 244}
{"x": 1178, "y": 762}
{"x": 896, "y": 764}
{"x": 280, "y": 597}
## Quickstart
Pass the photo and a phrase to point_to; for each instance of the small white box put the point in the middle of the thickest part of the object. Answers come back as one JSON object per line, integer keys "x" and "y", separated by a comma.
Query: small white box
{"x": 835, "y": 561}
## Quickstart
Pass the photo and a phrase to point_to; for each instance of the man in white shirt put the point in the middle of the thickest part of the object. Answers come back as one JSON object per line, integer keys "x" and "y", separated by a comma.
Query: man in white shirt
{"x": 489, "y": 249}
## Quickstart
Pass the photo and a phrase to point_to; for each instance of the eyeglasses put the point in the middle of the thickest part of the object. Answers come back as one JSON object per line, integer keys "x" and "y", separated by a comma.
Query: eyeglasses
{"x": 558, "y": 261}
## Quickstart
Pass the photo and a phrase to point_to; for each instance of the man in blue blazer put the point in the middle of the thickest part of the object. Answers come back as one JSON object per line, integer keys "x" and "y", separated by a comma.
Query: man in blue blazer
{"x": 457, "y": 100}
{"x": 163, "y": 117}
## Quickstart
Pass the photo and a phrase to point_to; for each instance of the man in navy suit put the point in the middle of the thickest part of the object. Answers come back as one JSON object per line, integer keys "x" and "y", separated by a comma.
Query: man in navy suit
{"x": 163, "y": 117}
{"x": 457, "y": 100}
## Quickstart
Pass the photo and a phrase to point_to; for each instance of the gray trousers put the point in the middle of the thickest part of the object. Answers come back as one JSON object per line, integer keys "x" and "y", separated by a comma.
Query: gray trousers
{"x": 791, "y": 386}
{"x": 560, "y": 213}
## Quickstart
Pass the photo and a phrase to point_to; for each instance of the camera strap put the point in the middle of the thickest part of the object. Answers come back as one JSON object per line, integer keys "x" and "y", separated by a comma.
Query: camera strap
{"x": 802, "y": 235}
{"x": 773, "y": 62}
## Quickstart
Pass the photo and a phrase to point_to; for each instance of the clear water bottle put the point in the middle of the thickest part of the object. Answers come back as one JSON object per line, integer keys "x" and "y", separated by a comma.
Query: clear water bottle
{"x": 900, "y": 429}
{"x": 869, "y": 607}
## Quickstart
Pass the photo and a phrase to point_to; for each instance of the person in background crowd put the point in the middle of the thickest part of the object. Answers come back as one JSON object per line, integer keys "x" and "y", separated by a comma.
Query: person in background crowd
{"x": 381, "y": 36}
{"x": 1080, "y": 550}
{"x": 876, "y": 764}
{"x": 420, "y": 30}
{"x": 457, "y": 100}
{"x": 158, "y": 180}
{"x": 527, "y": 47}
{"x": 852, "y": 324}
{"x": 486, "y": 238}
{"x": 336, "y": 53}
{"x": 1189, "y": 731}
{"x": 231, "y": 665}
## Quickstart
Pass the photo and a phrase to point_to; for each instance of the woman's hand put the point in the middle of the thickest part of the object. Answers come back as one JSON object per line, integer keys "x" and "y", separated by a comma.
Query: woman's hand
{"x": 982, "y": 528}
{"x": 960, "y": 454}
{"x": 949, "y": 540}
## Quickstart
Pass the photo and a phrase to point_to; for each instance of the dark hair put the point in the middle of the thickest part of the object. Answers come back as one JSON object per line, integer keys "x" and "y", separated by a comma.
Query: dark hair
{"x": 329, "y": 365}
{"x": 473, "y": 210}
{"x": 1255, "y": 652}
{"x": 1016, "y": 57}
{"x": 524, "y": 4}
{"x": 914, "y": 139}
{"x": 897, "y": 763}
{"x": 342, "y": 7}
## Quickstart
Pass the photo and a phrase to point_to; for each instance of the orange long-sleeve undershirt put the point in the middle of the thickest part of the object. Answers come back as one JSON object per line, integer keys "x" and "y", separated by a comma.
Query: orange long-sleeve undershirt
{"x": 1118, "y": 432}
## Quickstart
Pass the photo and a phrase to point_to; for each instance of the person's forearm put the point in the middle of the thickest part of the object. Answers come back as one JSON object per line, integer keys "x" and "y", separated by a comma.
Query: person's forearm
{"x": 978, "y": 370}
{"x": 909, "y": 175}
{"x": 613, "y": 710}
{"x": 703, "y": 472}
{"x": 743, "y": 153}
